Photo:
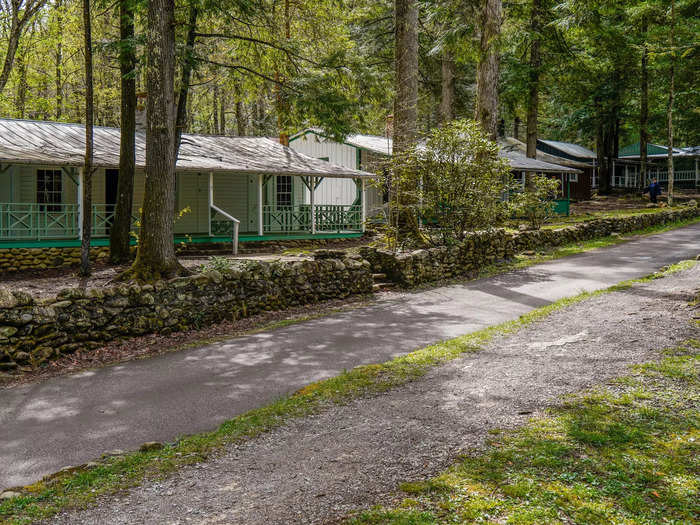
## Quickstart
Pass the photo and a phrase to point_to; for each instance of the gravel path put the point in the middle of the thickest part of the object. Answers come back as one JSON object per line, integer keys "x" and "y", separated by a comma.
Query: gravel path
{"x": 319, "y": 468}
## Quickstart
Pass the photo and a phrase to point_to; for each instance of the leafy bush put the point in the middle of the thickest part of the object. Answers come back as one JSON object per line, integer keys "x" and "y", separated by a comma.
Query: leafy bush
{"x": 536, "y": 203}
{"x": 447, "y": 186}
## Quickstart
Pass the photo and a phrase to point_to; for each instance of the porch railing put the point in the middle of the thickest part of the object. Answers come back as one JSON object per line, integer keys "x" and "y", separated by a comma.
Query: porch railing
{"x": 328, "y": 218}
{"x": 620, "y": 180}
{"x": 38, "y": 222}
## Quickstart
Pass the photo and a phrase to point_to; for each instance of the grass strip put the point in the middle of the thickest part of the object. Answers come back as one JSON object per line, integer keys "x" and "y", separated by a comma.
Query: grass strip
{"x": 83, "y": 485}
{"x": 625, "y": 453}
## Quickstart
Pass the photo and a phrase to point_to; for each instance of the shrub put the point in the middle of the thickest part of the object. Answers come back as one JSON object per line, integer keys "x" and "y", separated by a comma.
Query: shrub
{"x": 449, "y": 185}
{"x": 536, "y": 203}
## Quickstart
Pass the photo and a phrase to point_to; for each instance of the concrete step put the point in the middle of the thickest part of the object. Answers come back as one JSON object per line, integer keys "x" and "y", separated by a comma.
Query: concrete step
{"x": 378, "y": 287}
{"x": 378, "y": 276}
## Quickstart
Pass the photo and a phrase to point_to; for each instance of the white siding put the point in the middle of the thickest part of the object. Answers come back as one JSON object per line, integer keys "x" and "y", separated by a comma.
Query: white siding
{"x": 6, "y": 184}
{"x": 192, "y": 192}
{"x": 98, "y": 187}
{"x": 330, "y": 191}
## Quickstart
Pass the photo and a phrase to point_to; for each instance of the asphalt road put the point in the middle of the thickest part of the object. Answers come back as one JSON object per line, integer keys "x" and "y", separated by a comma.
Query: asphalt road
{"x": 74, "y": 419}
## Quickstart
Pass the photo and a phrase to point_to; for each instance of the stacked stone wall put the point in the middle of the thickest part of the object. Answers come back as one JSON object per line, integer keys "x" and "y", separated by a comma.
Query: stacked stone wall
{"x": 27, "y": 259}
{"x": 36, "y": 330}
{"x": 484, "y": 248}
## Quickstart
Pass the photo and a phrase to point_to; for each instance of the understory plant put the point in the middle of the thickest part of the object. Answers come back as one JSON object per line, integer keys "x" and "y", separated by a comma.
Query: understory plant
{"x": 445, "y": 187}
{"x": 536, "y": 203}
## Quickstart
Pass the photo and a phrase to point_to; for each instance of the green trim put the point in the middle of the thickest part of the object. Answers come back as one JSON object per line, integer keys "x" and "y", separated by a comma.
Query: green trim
{"x": 75, "y": 243}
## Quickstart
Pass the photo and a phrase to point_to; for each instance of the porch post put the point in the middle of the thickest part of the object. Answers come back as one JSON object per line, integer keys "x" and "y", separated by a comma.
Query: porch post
{"x": 210, "y": 199}
{"x": 260, "y": 205}
{"x": 697, "y": 173}
{"x": 81, "y": 211}
{"x": 312, "y": 190}
{"x": 627, "y": 180}
{"x": 364, "y": 205}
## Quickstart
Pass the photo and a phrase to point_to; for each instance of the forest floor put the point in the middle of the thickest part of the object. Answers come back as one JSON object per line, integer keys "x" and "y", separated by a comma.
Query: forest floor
{"x": 383, "y": 448}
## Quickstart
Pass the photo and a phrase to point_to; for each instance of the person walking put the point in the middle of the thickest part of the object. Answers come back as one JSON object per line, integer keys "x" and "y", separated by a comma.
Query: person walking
{"x": 654, "y": 190}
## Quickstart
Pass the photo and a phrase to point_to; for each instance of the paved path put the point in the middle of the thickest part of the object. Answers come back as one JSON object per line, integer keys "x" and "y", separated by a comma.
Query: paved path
{"x": 73, "y": 419}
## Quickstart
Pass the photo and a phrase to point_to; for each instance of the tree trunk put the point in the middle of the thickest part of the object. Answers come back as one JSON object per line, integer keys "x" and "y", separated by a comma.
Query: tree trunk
{"x": 59, "y": 60}
{"x": 534, "y": 80}
{"x": 671, "y": 95}
{"x": 87, "y": 169}
{"x": 12, "y": 44}
{"x": 222, "y": 116}
{"x": 644, "y": 109}
{"x": 215, "y": 108}
{"x": 120, "y": 233}
{"x": 516, "y": 127}
{"x": 185, "y": 74}
{"x": 486, "y": 111}
{"x": 155, "y": 258}
{"x": 406, "y": 66}
{"x": 240, "y": 119}
{"x": 22, "y": 87}
{"x": 447, "y": 92}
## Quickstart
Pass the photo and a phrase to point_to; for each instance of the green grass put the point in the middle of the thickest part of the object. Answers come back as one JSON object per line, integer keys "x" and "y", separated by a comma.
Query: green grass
{"x": 81, "y": 487}
{"x": 627, "y": 453}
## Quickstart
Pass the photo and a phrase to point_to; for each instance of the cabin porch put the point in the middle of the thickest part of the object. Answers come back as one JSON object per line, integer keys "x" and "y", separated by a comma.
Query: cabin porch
{"x": 41, "y": 206}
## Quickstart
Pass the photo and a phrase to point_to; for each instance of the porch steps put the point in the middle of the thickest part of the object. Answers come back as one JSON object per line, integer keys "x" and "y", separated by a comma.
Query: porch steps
{"x": 381, "y": 283}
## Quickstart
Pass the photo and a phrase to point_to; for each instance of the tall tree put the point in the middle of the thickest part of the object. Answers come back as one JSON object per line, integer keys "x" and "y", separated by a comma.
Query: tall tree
{"x": 20, "y": 13}
{"x": 87, "y": 168}
{"x": 188, "y": 63}
{"x": 671, "y": 94}
{"x": 119, "y": 238}
{"x": 447, "y": 87}
{"x": 534, "y": 78}
{"x": 155, "y": 258}
{"x": 486, "y": 111}
{"x": 644, "y": 105}
{"x": 406, "y": 71}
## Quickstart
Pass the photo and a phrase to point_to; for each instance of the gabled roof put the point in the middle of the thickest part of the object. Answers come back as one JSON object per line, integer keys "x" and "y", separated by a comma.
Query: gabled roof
{"x": 653, "y": 150}
{"x": 380, "y": 145}
{"x": 570, "y": 148}
{"x": 513, "y": 144}
{"x": 54, "y": 143}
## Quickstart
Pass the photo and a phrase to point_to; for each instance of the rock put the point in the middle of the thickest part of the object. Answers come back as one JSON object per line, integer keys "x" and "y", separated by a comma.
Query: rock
{"x": 9, "y": 494}
{"x": 151, "y": 445}
{"x": 652, "y": 205}
{"x": 7, "y": 331}
{"x": 7, "y": 298}
{"x": 113, "y": 453}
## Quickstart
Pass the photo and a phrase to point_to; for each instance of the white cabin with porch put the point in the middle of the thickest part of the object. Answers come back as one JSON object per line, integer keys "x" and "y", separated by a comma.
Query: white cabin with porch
{"x": 254, "y": 186}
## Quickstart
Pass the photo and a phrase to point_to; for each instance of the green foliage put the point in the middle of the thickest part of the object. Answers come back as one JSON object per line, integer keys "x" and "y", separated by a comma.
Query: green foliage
{"x": 536, "y": 203}
{"x": 453, "y": 183}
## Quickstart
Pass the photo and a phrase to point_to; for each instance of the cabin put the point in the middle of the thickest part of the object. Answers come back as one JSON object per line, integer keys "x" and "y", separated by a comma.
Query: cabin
{"x": 249, "y": 187}
{"x": 565, "y": 154}
{"x": 686, "y": 166}
{"x": 366, "y": 152}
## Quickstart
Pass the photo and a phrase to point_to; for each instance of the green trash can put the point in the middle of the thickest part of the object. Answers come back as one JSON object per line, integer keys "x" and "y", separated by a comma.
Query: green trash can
{"x": 562, "y": 206}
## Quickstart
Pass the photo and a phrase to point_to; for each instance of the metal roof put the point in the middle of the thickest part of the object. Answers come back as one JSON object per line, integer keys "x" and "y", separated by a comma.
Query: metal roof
{"x": 54, "y": 143}
{"x": 515, "y": 145}
{"x": 518, "y": 161}
{"x": 521, "y": 162}
{"x": 572, "y": 149}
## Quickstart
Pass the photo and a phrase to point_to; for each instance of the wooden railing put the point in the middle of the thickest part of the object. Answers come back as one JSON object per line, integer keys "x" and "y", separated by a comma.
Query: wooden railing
{"x": 328, "y": 218}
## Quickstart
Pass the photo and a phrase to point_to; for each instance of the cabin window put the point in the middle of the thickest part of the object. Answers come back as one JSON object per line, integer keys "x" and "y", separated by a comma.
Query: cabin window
{"x": 573, "y": 177}
{"x": 49, "y": 189}
{"x": 284, "y": 190}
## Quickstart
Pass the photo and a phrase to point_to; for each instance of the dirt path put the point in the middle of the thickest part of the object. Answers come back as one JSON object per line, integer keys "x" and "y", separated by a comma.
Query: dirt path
{"x": 319, "y": 468}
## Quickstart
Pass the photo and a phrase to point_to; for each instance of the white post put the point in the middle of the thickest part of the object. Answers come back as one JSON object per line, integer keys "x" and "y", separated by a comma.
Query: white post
{"x": 612, "y": 183}
{"x": 364, "y": 204}
{"x": 211, "y": 198}
{"x": 697, "y": 173}
{"x": 81, "y": 211}
{"x": 627, "y": 176}
{"x": 312, "y": 188}
{"x": 260, "y": 205}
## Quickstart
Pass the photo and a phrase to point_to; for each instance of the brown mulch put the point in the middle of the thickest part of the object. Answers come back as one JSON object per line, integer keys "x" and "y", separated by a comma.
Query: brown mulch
{"x": 120, "y": 351}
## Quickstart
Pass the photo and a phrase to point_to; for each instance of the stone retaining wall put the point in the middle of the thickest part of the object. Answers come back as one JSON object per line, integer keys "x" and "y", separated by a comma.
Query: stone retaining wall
{"x": 33, "y": 331}
{"x": 484, "y": 248}
{"x": 24, "y": 259}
